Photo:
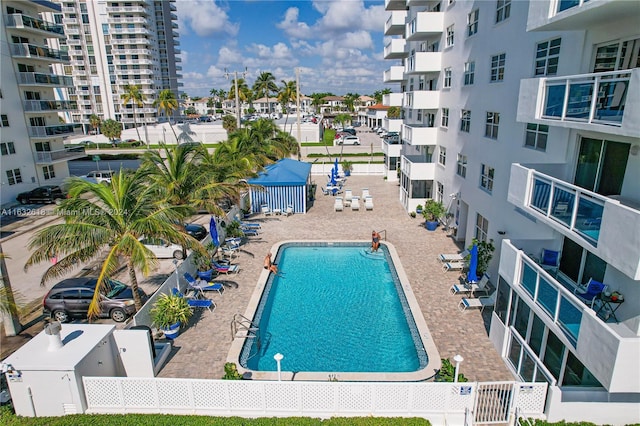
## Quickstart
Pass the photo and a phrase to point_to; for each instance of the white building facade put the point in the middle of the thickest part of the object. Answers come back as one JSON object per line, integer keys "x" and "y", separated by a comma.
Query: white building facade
{"x": 33, "y": 111}
{"x": 523, "y": 119}
{"x": 114, "y": 44}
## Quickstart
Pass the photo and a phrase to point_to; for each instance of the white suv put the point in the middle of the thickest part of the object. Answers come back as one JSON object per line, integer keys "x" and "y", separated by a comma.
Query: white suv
{"x": 99, "y": 176}
{"x": 349, "y": 140}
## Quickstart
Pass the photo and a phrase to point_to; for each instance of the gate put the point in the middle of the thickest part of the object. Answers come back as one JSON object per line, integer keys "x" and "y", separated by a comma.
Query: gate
{"x": 493, "y": 402}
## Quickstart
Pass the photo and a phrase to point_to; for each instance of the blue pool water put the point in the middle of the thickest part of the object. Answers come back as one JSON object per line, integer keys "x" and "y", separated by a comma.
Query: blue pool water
{"x": 338, "y": 308}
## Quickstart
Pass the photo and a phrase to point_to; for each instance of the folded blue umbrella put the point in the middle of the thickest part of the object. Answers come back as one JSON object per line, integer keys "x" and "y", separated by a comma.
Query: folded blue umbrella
{"x": 472, "y": 275}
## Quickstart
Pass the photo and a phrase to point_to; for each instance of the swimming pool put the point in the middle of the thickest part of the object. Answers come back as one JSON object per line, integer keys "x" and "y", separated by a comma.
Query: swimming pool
{"x": 340, "y": 312}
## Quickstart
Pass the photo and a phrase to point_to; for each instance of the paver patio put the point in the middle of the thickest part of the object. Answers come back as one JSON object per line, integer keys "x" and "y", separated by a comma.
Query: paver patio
{"x": 201, "y": 349}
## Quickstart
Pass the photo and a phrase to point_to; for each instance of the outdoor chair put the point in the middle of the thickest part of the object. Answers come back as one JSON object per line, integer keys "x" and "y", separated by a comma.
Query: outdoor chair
{"x": 289, "y": 210}
{"x": 365, "y": 193}
{"x": 355, "y": 203}
{"x": 265, "y": 209}
{"x": 453, "y": 257}
{"x": 481, "y": 302}
{"x": 202, "y": 285}
{"x": 471, "y": 288}
{"x": 250, "y": 232}
{"x": 338, "y": 205}
{"x": 225, "y": 269}
{"x": 195, "y": 302}
{"x": 348, "y": 196}
{"x": 550, "y": 260}
{"x": 590, "y": 292}
{"x": 453, "y": 266}
{"x": 325, "y": 191}
{"x": 253, "y": 225}
{"x": 368, "y": 203}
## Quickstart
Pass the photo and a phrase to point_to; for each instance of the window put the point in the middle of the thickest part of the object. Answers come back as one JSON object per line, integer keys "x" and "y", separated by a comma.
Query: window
{"x": 14, "y": 176}
{"x": 447, "y": 77}
{"x": 482, "y": 228}
{"x": 465, "y": 121}
{"x": 4, "y": 120}
{"x": 469, "y": 71}
{"x": 48, "y": 172}
{"x": 491, "y": 126}
{"x": 503, "y": 10}
{"x": 497, "y": 67}
{"x": 486, "y": 177}
{"x": 462, "y": 165}
{"x": 450, "y": 33}
{"x": 444, "y": 117}
{"x": 536, "y": 136}
{"x": 439, "y": 191}
{"x": 547, "y": 57}
{"x": 7, "y": 148}
{"x": 442, "y": 155}
{"x": 472, "y": 23}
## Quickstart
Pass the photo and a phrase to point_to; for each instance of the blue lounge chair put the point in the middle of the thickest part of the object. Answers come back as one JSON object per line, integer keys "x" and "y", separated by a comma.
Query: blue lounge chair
{"x": 550, "y": 260}
{"x": 225, "y": 269}
{"x": 250, "y": 232}
{"x": 196, "y": 303}
{"x": 200, "y": 286}
{"x": 590, "y": 293}
{"x": 250, "y": 225}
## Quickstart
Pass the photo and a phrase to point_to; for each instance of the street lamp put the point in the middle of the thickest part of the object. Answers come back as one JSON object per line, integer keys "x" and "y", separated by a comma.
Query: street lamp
{"x": 458, "y": 360}
{"x": 278, "y": 357}
{"x": 235, "y": 81}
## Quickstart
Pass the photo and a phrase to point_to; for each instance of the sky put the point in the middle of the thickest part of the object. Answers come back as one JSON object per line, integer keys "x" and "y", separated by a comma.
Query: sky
{"x": 336, "y": 44}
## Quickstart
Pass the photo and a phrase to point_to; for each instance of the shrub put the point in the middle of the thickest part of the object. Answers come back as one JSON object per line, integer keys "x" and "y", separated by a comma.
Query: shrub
{"x": 231, "y": 372}
{"x": 447, "y": 372}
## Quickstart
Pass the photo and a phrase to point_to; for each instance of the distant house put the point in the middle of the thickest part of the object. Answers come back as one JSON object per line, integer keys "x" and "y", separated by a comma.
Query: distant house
{"x": 261, "y": 106}
{"x": 333, "y": 104}
{"x": 363, "y": 102}
{"x": 373, "y": 116}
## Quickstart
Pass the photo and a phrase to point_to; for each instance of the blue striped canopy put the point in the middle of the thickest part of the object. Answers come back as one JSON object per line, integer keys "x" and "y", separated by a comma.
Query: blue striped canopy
{"x": 282, "y": 184}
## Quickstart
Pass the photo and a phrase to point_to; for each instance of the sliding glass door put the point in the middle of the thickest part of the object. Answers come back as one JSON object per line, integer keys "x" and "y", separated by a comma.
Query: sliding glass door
{"x": 601, "y": 165}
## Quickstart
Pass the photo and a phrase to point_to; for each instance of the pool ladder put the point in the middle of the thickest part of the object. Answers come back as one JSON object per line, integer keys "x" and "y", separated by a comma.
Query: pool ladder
{"x": 242, "y": 324}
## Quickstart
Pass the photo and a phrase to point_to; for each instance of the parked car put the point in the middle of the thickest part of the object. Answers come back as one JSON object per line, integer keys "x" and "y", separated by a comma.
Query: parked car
{"x": 163, "y": 249}
{"x": 349, "y": 140}
{"x": 134, "y": 142}
{"x": 205, "y": 119}
{"x": 196, "y": 230}
{"x": 349, "y": 130}
{"x": 42, "y": 194}
{"x": 71, "y": 298}
{"x": 99, "y": 176}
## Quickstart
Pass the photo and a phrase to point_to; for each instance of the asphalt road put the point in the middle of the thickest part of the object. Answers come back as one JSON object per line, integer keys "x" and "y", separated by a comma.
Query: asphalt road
{"x": 81, "y": 168}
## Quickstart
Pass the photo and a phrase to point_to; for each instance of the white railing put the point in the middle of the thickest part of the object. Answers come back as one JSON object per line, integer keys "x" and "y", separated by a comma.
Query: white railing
{"x": 592, "y": 98}
{"x": 434, "y": 401}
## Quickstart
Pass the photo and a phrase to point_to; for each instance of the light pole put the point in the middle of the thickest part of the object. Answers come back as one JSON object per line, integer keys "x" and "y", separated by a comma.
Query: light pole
{"x": 458, "y": 360}
{"x": 278, "y": 357}
{"x": 235, "y": 81}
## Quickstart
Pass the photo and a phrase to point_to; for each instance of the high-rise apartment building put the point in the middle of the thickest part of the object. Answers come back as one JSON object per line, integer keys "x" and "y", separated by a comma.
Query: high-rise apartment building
{"x": 115, "y": 44}
{"x": 523, "y": 118}
{"x": 34, "y": 117}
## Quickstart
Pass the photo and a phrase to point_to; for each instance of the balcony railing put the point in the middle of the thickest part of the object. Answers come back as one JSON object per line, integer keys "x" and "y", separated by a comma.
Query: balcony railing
{"x": 395, "y": 49}
{"x": 49, "y": 105}
{"x": 23, "y": 21}
{"x": 575, "y": 208}
{"x": 419, "y": 134}
{"x": 572, "y": 98}
{"x": 47, "y": 131}
{"x": 395, "y": 23}
{"x": 34, "y": 51}
{"x": 37, "y": 78}
{"x": 45, "y": 157}
{"x": 127, "y": 9}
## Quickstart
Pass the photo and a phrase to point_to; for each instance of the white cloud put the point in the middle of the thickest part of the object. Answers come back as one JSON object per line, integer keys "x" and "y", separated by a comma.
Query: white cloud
{"x": 292, "y": 27}
{"x": 228, "y": 56}
{"x": 205, "y": 18}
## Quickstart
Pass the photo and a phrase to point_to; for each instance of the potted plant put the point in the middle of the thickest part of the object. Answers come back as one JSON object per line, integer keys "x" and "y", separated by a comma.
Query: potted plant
{"x": 202, "y": 261}
{"x": 169, "y": 313}
{"x": 419, "y": 209}
{"x": 412, "y": 214}
{"x": 347, "y": 166}
{"x": 485, "y": 253}
{"x": 433, "y": 210}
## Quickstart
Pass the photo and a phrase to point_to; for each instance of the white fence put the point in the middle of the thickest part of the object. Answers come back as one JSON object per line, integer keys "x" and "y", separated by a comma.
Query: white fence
{"x": 454, "y": 403}
{"x": 360, "y": 169}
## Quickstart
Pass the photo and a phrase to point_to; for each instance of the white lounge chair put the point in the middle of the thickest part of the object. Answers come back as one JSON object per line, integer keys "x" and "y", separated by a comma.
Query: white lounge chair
{"x": 368, "y": 203}
{"x": 338, "y": 205}
{"x": 365, "y": 193}
{"x": 289, "y": 210}
{"x": 481, "y": 302}
{"x": 348, "y": 196}
{"x": 453, "y": 266}
{"x": 264, "y": 208}
{"x": 453, "y": 257}
{"x": 355, "y": 203}
{"x": 467, "y": 287}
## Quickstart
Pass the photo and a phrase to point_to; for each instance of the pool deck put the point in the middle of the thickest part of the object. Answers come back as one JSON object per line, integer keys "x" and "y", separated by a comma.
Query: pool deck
{"x": 201, "y": 349}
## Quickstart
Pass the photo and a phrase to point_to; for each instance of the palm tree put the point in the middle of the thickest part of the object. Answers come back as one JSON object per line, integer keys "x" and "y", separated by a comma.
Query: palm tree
{"x": 106, "y": 222}
{"x": 94, "y": 121}
{"x": 133, "y": 94}
{"x": 264, "y": 85}
{"x": 317, "y": 101}
{"x": 229, "y": 123}
{"x": 288, "y": 93}
{"x": 378, "y": 94}
{"x": 111, "y": 129}
{"x": 350, "y": 99}
{"x": 8, "y": 305}
{"x": 243, "y": 90}
{"x": 168, "y": 103}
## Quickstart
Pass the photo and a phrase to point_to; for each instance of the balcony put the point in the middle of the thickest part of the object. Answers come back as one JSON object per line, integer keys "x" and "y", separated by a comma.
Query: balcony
{"x": 391, "y": 149}
{"x": 49, "y": 105}
{"x": 34, "y": 25}
{"x": 422, "y": 99}
{"x": 72, "y": 31}
{"x": 131, "y": 52}
{"x": 51, "y": 157}
{"x": 134, "y": 20}
{"x": 25, "y": 50}
{"x": 392, "y": 99}
{"x": 127, "y": 9}
{"x": 423, "y": 62}
{"x": 395, "y": 49}
{"x": 425, "y": 26}
{"x": 573, "y": 321}
{"x": 609, "y": 226}
{"x": 53, "y": 131}
{"x": 417, "y": 167}
{"x": 77, "y": 62}
{"x": 141, "y": 40}
{"x": 414, "y": 134}
{"x": 173, "y": 8}
{"x": 572, "y": 15}
{"x": 395, "y": 5}
{"x": 71, "y": 21}
{"x": 45, "y": 80}
{"x": 395, "y": 74}
{"x": 138, "y": 30}
{"x": 570, "y": 102}
{"x": 395, "y": 23}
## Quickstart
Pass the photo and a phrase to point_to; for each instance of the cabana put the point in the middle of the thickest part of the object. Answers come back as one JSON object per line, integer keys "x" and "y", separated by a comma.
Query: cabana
{"x": 282, "y": 184}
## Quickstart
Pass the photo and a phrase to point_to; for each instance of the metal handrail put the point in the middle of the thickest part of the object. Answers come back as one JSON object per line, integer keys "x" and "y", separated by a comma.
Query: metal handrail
{"x": 385, "y": 234}
{"x": 240, "y": 322}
